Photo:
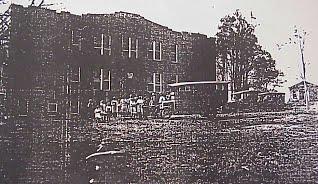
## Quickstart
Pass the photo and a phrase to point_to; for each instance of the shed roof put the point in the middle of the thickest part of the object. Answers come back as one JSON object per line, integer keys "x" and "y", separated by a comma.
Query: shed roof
{"x": 302, "y": 83}
{"x": 245, "y": 91}
{"x": 267, "y": 93}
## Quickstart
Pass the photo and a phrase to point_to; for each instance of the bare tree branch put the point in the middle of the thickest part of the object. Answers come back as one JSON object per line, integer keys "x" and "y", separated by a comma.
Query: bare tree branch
{"x": 41, "y": 3}
{"x": 32, "y": 3}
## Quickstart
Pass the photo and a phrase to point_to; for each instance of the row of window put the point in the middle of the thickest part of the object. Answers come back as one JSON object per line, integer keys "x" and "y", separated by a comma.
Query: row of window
{"x": 52, "y": 107}
{"x": 74, "y": 104}
{"x": 103, "y": 44}
{"x": 102, "y": 80}
{"x": 298, "y": 95}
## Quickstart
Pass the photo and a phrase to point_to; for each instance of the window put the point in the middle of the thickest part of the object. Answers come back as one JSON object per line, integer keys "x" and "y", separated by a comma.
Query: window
{"x": 96, "y": 79}
{"x": 156, "y": 84}
{"x": 76, "y": 39}
{"x": 130, "y": 47}
{"x": 155, "y": 51}
{"x": 23, "y": 107}
{"x": 175, "y": 54}
{"x": 74, "y": 106}
{"x": 103, "y": 44}
{"x": 75, "y": 74}
{"x": 105, "y": 78}
{"x": 301, "y": 95}
{"x": 102, "y": 80}
{"x": 294, "y": 95}
{"x": 52, "y": 107}
{"x": 187, "y": 88}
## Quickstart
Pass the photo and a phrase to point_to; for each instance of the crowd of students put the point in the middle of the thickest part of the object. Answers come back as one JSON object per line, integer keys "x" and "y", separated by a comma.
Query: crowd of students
{"x": 136, "y": 107}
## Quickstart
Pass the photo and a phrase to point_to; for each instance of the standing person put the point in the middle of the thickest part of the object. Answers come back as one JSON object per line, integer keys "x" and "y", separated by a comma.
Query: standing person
{"x": 103, "y": 105}
{"x": 108, "y": 111}
{"x": 173, "y": 99}
{"x": 90, "y": 108}
{"x": 133, "y": 107}
{"x": 114, "y": 105}
{"x": 120, "y": 107}
{"x": 140, "y": 107}
{"x": 98, "y": 113}
{"x": 124, "y": 106}
{"x": 153, "y": 105}
{"x": 162, "y": 99}
{"x": 130, "y": 98}
{"x": 146, "y": 107}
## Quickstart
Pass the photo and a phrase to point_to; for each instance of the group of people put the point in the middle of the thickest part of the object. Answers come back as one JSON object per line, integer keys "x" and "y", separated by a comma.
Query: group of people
{"x": 141, "y": 107}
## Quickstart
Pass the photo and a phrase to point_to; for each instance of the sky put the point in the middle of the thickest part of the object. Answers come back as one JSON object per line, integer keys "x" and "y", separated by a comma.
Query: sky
{"x": 275, "y": 19}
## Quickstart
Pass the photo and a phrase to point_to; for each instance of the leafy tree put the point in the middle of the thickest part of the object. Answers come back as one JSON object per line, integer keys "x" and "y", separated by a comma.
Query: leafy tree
{"x": 264, "y": 72}
{"x": 240, "y": 59}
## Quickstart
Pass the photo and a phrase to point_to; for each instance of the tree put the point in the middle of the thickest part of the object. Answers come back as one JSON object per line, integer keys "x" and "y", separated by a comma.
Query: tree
{"x": 236, "y": 43}
{"x": 240, "y": 59}
{"x": 263, "y": 71}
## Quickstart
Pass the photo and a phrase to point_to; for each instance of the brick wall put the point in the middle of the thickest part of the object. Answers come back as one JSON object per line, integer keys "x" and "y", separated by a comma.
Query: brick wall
{"x": 64, "y": 56}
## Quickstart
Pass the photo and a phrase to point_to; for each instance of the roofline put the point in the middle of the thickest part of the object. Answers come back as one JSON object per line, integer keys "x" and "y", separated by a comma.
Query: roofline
{"x": 115, "y": 14}
{"x": 270, "y": 93}
{"x": 302, "y": 82}
{"x": 197, "y": 82}
{"x": 244, "y": 91}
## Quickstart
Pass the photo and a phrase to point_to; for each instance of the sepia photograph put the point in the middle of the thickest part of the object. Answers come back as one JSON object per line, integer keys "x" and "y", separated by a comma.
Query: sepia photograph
{"x": 165, "y": 91}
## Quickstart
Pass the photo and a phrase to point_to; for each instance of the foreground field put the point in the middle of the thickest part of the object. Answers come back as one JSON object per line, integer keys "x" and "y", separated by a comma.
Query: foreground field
{"x": 256, "y": 150}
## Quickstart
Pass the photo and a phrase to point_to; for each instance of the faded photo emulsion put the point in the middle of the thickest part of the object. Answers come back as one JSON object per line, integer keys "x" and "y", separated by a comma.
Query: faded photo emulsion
{"x": 141, "y": 91}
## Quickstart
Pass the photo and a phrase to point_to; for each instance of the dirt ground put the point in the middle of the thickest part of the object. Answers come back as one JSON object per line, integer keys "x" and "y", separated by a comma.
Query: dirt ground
{"x": 271, "y": 149}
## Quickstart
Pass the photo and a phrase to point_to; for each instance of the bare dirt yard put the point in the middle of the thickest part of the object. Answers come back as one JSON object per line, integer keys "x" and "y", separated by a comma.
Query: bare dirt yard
{"x": 269, "y": 149}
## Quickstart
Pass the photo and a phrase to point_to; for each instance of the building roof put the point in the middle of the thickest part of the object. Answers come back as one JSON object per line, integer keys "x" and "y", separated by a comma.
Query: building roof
{"x": 302, "y": 83}
{"x": 270, "y": 92}
{"x": 120, "y": 14}
{"x": 197, "y": 82}
{"x": 245, "y": 91}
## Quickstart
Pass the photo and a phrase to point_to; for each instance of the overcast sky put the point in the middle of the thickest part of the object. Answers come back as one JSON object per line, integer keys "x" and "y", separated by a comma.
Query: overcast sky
{"x": 276, "y": 18}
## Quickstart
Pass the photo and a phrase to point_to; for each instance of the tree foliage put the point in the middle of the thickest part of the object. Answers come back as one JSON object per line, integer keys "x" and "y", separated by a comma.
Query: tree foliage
{"x": 240, "y": 59}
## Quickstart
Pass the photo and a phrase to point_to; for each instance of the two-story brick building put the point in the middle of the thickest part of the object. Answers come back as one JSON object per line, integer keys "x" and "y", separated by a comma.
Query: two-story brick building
{"x": 57, "y": 61}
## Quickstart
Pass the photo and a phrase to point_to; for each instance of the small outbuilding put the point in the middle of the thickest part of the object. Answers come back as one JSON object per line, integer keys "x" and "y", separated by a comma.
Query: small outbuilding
{"x": 297, "y": 93}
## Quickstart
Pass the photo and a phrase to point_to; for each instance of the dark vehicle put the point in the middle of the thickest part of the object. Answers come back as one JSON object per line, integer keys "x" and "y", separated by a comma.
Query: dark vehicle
{"x": 271, "y": 101}
{"x": 202, "y": 97}
{"x": 256, "y": 101}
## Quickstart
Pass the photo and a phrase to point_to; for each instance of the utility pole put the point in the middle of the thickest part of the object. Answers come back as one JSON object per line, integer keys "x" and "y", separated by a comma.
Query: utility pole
{"x": 300, "y": 39}
{"x": 300, "y": 36}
